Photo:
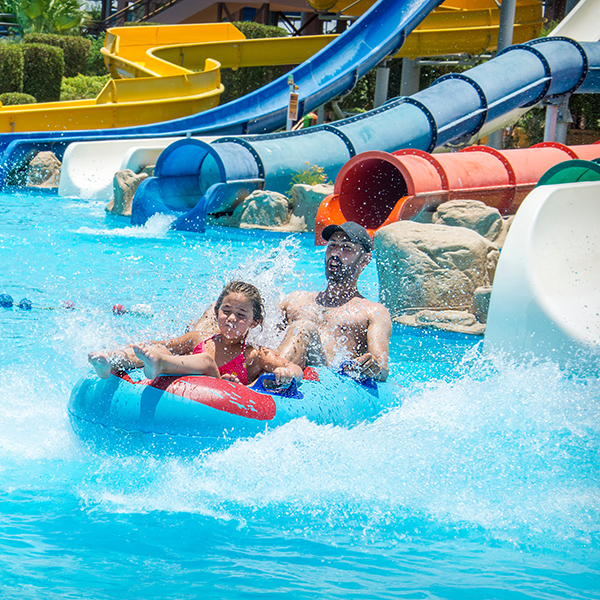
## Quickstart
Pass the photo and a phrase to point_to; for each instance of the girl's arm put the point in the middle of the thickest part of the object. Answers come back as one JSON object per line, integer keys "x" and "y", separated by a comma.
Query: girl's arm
{"x": 184, "y": 344}
{"x": 269, "y": 361}
{"x": 126, "y": 359}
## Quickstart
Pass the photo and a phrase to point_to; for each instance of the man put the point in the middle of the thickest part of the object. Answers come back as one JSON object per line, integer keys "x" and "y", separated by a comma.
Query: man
{"x": 338, "y": 324}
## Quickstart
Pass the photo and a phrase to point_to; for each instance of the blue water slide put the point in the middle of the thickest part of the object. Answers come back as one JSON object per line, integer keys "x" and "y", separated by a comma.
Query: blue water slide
{"x": 331, "y": 72}
{"x": 453, "y": 109}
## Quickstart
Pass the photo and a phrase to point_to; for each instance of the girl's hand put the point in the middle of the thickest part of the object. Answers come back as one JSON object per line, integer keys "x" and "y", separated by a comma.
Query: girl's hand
{"x": 230, "y": 377}
{"x": 283, "y": 375}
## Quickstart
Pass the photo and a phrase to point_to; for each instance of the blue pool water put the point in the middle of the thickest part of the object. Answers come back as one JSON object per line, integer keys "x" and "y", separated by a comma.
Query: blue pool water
{"x": 482, "y": 483}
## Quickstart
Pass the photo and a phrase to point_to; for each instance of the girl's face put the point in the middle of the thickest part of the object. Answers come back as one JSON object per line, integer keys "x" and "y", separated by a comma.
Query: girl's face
{"x": 235, "y": 316}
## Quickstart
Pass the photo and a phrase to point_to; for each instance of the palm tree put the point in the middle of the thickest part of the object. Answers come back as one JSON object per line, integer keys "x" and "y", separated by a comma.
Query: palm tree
{"x": 45, "y": 16}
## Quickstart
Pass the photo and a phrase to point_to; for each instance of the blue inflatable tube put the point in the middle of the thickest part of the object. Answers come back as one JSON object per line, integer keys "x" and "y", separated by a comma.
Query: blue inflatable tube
{"x": 212, "y": 412}
{"x": 454, "y": 108}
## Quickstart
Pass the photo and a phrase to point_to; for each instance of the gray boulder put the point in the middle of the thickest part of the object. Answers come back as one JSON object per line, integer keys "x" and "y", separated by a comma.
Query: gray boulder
{"x": 474, "y": 215}
{"x": 306, "y": 200}
{"x": 432, "y": 267}
{"x": 262, "y": 209}
{"x": 43, "y": 170}
{"x": 125, "y": 183}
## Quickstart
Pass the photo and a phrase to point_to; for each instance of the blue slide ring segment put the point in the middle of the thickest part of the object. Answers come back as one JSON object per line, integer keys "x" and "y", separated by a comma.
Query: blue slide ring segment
{"x": 584, "y": 58}
{"x": 343, "y": 137}
{"x": 430, "y": 118}
{"x": 184, "y": 157}
{"x": 545, "y": 64}
{"x": 480, "y": 93}
{"x": 246, "y": 144}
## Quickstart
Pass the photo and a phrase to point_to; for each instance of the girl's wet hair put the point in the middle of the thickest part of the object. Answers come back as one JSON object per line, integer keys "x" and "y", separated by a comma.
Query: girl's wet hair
{"x": 251, "y": 292}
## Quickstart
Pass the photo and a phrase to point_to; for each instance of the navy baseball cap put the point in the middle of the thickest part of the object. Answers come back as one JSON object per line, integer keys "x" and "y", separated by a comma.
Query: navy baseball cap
{"x": 355, "y": 232}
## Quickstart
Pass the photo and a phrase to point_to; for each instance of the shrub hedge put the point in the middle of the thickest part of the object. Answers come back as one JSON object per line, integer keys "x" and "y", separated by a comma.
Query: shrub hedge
{"x": 76, "y": 50}
{"x": 43, "y": 68}
{"x": 15, "y": 98}
{"x": 11, "y": 68}
{"x": 82, "y": 87}
{"x": 247, "y": 79}
{"x": 95, "y": 64}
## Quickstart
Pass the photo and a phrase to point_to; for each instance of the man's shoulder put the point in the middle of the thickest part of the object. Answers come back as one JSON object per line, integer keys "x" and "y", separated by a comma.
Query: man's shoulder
{"x": 299, "y": 296}
{"x": 372, "y": 309}
{"x": 371, "y": 304}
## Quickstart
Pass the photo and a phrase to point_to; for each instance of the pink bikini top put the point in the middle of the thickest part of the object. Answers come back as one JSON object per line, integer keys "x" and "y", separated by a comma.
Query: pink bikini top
{"x": 236, "y": 366}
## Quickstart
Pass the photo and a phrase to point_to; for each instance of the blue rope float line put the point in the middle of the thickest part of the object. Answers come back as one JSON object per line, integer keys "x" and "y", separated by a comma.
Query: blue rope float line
{"x": 138, "y": 310}
{"x": 6, "y": 301}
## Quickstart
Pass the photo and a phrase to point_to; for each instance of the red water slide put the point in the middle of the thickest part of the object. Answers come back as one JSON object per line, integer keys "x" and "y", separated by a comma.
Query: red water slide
{"x": 378, "y": 188}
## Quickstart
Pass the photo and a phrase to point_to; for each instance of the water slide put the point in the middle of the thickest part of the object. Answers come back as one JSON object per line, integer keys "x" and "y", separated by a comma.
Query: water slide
{"x": 545, "y": 297}
{"x": 194, "y": 178}
{"x": 331, "y": 72}
{"x": 167, "y": 72}
{"x": 468, "y": 26}
{"x": 582, "y": 22}
{"x": 378, "y": 188}
{"x": 415, "y": 183}
{"x": 148, "y": 88}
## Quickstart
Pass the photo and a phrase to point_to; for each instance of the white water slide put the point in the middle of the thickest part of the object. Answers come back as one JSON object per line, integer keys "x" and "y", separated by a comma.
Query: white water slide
{"x": 546, "y": 295}
{"x": 582, "y": 24}
{"x": 545, "y": 300}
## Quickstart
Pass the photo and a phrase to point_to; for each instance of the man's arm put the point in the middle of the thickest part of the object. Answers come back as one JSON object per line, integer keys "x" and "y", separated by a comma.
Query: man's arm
{"x": 379, "y": 331}
{"x": 287, "y": 306}
{"x": 206, "y": 324}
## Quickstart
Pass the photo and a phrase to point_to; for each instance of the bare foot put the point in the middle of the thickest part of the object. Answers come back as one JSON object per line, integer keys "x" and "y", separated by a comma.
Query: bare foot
{"x": 101, "y": 364}
{"x": 151, "y": 359}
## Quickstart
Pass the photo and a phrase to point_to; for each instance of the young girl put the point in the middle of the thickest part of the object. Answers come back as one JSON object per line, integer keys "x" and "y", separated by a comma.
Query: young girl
{"x": 238, "y": 309}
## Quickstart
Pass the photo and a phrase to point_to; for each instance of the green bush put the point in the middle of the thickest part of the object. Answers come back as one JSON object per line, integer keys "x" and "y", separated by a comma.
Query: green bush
{"x": 254, "y": 31}
{"x": 247, "y": 79}
{"x": 82, "y": 87}
{"x": 530, "y": 125}
{"x": 312, "y": 175}
{"x": 11, "y": 68}
{"x": 95, "y": 64}
{"x": 15, "y": 98}
{"x": 585, "y": 110}
{"x": 76, "y": 49}
{"x": 43, "y": 68}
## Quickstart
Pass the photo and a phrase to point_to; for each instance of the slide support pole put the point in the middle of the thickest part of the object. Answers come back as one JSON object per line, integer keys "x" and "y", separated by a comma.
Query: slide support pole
{"x": 505, "y": 37}
{"x": 381, "y": 84}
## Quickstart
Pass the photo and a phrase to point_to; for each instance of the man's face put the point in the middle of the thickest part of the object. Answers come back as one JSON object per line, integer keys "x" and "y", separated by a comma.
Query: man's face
{"x": 343, "y": 258}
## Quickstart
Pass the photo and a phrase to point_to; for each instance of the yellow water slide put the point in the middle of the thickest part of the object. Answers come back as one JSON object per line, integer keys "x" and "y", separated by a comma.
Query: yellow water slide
{"x": 166, "y": 72}
{"x": 455, "y": 27}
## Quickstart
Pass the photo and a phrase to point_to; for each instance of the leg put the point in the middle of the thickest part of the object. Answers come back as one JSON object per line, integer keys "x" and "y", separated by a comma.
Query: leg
{"x": 124, "y": 360}
{"x": 157, "y": 363}
{"x": 101, "y": 364}
{"x": 302, "y": 344}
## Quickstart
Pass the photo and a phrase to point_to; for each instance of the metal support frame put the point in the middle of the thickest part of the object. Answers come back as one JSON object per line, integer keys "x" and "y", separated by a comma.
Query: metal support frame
{"x": 382, "y": 81}
{"x": 505, "y": 38}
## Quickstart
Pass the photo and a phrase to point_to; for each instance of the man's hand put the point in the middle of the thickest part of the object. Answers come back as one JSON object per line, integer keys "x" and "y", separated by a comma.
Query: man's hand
{"x": 364, "y": 366}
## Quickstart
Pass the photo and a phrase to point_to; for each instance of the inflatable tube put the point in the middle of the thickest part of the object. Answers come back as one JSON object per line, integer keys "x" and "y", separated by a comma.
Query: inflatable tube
{"x": 213, "y": 412}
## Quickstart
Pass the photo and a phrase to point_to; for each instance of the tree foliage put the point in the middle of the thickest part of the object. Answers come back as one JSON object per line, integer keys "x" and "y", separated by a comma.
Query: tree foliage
{"x": 46, "y": 16}
{"x": 244, "y": 80}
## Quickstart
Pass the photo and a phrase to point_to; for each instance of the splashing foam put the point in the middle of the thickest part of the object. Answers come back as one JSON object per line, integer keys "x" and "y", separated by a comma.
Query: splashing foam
{"x": 157, "y": 226}
{"x": 509, "y": 452}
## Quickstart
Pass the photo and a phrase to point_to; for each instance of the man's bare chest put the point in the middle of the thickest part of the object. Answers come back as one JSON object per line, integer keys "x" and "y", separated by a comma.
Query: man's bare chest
{"x": 348, "y": 316}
